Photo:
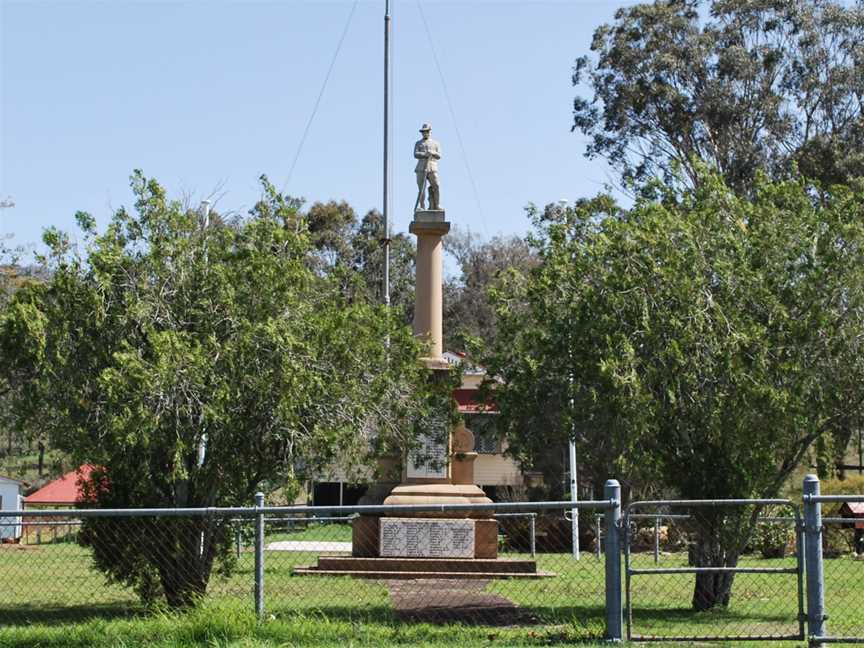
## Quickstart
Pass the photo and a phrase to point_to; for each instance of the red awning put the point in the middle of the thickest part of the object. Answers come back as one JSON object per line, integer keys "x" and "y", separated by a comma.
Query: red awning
{"x": 469, "y": 403}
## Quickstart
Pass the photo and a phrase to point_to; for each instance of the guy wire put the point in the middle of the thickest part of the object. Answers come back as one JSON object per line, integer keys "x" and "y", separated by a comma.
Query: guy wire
{"x": 320, "y": 95}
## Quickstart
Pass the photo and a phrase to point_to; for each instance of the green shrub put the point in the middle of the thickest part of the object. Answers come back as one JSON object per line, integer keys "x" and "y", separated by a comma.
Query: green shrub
{"x": 774, "y": 538}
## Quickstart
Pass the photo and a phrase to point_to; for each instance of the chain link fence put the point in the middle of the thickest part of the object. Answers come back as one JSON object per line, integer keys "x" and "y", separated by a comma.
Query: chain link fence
{"x": 714, "y": 570}
{"x": 74, "y": 565}
{"x": 662, "y": 570}
{"x": 835, "y": 565}
{"x": 546, "y": 586}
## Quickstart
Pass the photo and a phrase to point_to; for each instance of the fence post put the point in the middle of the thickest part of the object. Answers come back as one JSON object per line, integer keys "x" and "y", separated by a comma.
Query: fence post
{"x": 259, "y": 555}
{"x": 614, "y": 613}
{"x": 657, "y": 540}
{"x": 533, "y": 517}
{"x": 597, "y": 536}
{"x": 813, "y": 561}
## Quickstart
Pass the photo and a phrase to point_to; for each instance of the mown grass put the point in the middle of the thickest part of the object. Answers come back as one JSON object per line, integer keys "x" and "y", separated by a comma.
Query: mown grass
{"x": 312, "y": 531}
{"x": 233, "y": 625}
{"x": 51, "y": 596}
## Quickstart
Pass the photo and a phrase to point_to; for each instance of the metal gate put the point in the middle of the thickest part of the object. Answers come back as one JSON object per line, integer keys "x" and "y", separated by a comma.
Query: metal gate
{"x": 742, "y": 560}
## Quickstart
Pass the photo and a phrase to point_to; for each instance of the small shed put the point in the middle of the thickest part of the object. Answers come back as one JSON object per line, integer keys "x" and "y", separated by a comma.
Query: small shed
{"x": 62, "y": 492}
{"x": 855, "y": 511}
{"x": 10, "y": 500}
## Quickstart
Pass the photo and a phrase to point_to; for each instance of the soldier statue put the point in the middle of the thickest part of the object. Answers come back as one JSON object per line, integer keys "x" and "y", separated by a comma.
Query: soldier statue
{"x": 428, "y": 152}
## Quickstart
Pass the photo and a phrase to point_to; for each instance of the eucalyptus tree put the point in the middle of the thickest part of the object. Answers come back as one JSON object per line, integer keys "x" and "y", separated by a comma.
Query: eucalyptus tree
{"x": 700, "y": 340}
{"x": 353, "y": 249}
{"x": 468, "y": 314}
{"x": 12, "y": 277}
{"x": 368, "y": 260}
{"x": 193, "y": 366}
{"x": 738, "y": 85}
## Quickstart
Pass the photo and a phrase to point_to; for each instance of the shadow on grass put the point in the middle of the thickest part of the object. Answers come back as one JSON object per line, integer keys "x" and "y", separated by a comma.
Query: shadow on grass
{"x": 541, "y": 625}
{"x": 686, "y": 622}
{"x": 687, "y": 616}
{"x": 571, "y": 623}
{"x": 382, "y": 614}
{"x": 26, "y": 615}
{"x": 583, "y": 623}
{"x": 550, "y": 614}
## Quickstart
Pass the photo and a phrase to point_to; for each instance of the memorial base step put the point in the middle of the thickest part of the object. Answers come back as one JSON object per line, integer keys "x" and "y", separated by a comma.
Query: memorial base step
{"x": 500, "y": 565}
{"x": 403, "y": 575}
{"x": 421, "y": 568}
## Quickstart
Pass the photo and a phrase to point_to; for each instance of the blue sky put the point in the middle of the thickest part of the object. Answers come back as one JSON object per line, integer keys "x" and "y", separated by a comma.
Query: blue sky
{"x": 206, "y": 96}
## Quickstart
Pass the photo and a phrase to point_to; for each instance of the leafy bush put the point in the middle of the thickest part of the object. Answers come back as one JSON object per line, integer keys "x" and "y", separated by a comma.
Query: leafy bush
{"x": 774, "y": 538}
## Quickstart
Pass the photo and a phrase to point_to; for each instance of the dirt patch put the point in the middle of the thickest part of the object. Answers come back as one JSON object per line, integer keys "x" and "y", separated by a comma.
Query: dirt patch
{"x": 453, "y": 600}
{"x": 9, "y": 546}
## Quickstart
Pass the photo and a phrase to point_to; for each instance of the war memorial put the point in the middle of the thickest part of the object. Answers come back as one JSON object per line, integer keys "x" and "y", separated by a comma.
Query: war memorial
{"x": 459, "y": 542}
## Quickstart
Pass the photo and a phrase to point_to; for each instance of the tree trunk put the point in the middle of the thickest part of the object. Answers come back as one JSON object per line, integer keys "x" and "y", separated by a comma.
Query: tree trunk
{"x": 41, "y": 465}
{"x": 185, "y": 572}
{"x": 712, "y": 589}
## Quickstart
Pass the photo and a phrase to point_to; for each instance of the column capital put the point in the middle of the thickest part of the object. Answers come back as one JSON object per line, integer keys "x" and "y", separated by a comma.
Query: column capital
{"x": 426, "y": 228}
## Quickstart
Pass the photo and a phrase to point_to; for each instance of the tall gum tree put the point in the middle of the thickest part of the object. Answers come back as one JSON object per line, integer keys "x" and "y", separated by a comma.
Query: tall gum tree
{"x": 731, "y": 85}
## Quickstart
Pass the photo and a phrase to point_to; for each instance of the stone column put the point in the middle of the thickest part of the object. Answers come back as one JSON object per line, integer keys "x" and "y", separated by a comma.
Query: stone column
{"x": 430, "y": 226}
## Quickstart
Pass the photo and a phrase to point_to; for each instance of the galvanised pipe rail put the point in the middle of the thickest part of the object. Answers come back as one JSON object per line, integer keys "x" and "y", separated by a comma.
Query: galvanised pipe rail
{"x": 514, "y": 514}
{"x": 716, "y": 570}
{"x": 277, "y": 510}
{"x": 825, "y": 640}
{"x": 46, "y": 524}
{"x": 346, "y": 518}
{"x": 711, "y": 502}
{"x": 825, "y": 499}
{"x": 649, "y": 516}
{"x": 662, "y": 516}
{"x": 696, "y": 638}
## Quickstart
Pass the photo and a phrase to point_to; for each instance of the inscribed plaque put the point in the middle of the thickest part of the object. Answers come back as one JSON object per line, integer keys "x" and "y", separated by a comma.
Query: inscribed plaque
{"x": 426, "y": 538}
{"x": 428, "y": 460}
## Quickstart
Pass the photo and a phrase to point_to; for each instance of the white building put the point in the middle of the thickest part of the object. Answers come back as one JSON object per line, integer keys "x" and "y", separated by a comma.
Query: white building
{"x": 10, "y": 500}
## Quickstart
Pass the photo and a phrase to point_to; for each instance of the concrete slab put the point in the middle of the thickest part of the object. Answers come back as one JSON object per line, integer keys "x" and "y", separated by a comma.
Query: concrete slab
{"x": 454, "y": 601}
{"x": 312, "y": 546}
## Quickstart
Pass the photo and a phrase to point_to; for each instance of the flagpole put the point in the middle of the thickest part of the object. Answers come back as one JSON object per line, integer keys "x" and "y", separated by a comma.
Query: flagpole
{"x": 386, "y": 209}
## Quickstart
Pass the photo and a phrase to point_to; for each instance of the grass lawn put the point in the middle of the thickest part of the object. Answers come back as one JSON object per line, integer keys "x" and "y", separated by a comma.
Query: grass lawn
{"x": 330, "y": 532}
{"x": 233, "y": 625}
{"x": 50, "y": 595}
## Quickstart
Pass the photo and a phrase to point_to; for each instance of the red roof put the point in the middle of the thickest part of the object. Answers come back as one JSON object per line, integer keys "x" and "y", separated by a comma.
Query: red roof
{"x": 469, "y": 403}
{"x": 65, "y": 490}
{"x": 854, "y": 508}
{"x": 855, "y": 511}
